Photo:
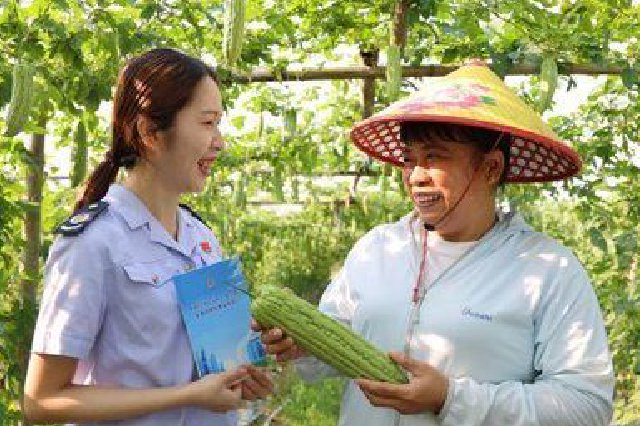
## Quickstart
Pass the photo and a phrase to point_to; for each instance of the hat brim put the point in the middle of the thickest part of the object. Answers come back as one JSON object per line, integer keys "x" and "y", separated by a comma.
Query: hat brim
{"x": 566, "y": 162}
{"x": 473, "y": 96}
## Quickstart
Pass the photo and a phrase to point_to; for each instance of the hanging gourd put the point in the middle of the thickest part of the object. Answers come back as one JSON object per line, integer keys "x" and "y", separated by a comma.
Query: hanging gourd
{"x": 289, "y": 121}
{"x": 629, "y": 77}
{"x": 345, "y": 153}
{"x": 113, "y": 42}
{"x": 260, "y": 123}
{"x": 240, "y": 192}
{"x": 79, "y": 154}
{"x": 234, "y": 12}
{"x": 295, "y": 188}
{"x": 548, "y": 82}
{"x": 21, "y": 98}
{"x": 277, "y": 184}
{"x": 393, "y": 72}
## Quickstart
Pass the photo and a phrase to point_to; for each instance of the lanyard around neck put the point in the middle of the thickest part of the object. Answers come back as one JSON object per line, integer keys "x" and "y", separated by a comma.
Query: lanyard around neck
{"x": 423, "y": 264}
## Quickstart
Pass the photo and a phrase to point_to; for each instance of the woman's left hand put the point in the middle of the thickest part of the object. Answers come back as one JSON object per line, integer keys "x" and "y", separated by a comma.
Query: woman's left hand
{"x": 426, "y": 390}
{"x": 258, "y": 385}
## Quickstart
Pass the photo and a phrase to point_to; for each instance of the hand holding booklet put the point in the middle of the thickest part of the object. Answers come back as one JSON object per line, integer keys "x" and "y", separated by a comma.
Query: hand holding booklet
{"x": 215, "y": 306}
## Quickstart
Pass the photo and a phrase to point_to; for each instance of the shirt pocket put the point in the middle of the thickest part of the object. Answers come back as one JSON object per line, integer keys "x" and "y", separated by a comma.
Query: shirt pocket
{"x": 145, "y": 305}
{"x": 156, "y": 273}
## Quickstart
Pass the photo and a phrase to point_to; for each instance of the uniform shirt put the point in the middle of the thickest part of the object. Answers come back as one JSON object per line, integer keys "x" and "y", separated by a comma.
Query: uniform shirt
{"x": 109, "y": 302}
{"x": 512, "y": 320}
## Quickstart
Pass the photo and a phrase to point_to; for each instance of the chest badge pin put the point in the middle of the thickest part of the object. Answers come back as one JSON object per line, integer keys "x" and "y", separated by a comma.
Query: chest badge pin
{"x": 205, "y": 246}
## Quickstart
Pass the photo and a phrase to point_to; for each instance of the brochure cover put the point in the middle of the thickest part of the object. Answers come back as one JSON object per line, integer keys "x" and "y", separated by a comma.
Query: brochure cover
{"x": 216, "y": 312}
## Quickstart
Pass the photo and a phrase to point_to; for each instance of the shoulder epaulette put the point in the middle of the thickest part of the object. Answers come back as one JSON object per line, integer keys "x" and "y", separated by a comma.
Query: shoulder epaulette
{"x": 193, "y": 213}
{"x": 83, "y": 217}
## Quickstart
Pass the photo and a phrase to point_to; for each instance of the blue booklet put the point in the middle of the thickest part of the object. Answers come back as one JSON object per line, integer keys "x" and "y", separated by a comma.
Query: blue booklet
{"x": 216, "y": 312}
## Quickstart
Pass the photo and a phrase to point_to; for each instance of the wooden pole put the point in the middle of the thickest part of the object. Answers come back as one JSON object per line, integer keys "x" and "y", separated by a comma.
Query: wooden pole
{"x": 370, "y": 59}
{"x": 31, "y": 255}
{"x": 32, "y": 223}
{"x": 259, "y": 75}
{"x": 399, "y": 34}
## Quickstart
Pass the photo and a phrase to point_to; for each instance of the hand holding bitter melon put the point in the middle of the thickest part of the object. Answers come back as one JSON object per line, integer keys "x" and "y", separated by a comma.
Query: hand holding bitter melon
{"x": 322, "y": 336}
{"x": 278, "y": 343}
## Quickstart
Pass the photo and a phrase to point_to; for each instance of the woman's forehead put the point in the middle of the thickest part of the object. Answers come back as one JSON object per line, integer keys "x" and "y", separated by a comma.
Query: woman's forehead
{"x": 431, "y": 144}
{"x": 207, "y": 97}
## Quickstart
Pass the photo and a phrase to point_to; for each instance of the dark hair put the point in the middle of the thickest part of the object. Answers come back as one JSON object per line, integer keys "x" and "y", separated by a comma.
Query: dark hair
{"x": 156, "y": 85}
{"x": 484, "y": 140}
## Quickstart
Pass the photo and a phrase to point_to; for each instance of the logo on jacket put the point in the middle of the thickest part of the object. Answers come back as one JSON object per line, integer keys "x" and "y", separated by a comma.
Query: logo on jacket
{"x": 468, "y": 312}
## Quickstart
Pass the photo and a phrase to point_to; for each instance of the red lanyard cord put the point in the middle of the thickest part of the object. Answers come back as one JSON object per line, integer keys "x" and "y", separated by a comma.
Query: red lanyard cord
{"x": 423, "y": 261}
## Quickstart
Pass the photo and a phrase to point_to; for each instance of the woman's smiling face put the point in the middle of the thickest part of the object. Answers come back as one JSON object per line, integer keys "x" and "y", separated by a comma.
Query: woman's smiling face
{"x": 192, "y": 144}
{"x": 445, "y": 184}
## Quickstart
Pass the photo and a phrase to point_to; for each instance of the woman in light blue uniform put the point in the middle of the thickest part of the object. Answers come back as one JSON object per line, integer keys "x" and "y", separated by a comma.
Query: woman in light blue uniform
{"x": 110, "y": 346}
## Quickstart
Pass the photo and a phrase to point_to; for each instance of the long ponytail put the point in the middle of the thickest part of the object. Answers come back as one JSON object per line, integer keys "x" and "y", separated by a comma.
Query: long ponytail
{"x": 97, "y": 184}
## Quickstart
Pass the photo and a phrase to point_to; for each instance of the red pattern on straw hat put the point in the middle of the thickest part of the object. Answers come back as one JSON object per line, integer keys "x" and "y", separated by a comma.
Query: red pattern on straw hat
{"x": 473, "y": 96}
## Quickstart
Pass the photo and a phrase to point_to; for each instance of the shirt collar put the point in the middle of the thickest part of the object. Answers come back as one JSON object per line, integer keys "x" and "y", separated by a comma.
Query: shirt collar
{"x": 187, "y": 230}
{"x": 135, "y": 213}
{"x": 187, "y": 218}
{"x": 128, "y": 205}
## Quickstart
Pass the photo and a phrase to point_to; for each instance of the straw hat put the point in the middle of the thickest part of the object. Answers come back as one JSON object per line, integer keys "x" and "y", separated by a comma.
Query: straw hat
{"x": 473, "y": 96}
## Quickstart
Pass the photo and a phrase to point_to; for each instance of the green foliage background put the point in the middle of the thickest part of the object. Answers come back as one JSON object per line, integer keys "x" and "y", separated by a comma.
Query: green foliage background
{"x": 77, "y": 48}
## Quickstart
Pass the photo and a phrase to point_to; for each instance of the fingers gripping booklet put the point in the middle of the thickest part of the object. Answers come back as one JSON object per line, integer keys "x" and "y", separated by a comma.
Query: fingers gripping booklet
{"x": 215, "y": 306}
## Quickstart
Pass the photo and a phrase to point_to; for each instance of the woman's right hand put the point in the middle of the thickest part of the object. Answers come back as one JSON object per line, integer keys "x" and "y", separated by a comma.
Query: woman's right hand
{"x": 218, "y": 392}
{"x": 51, "y": 396}
{"x": 276, "y": 342}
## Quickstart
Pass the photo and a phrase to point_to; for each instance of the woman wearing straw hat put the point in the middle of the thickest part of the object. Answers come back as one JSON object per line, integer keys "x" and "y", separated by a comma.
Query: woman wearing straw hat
{"x": 497, "y": 324}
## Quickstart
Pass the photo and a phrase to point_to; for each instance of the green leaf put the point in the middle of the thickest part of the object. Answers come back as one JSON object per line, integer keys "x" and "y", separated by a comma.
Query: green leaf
{"x": 626, "y": 247}
{"x": 449, "y": 55}
{"x": 238, "y": 122}
{"x": 629, "y": 77}
{"x": 501, "y": 64}
{"x": 148, "y": 11}
{"x": 597, "y": 239}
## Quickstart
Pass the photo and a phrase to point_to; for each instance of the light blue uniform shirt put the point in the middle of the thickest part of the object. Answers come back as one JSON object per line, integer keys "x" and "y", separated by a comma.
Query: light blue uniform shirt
{"x": 109, "y": 301}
